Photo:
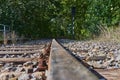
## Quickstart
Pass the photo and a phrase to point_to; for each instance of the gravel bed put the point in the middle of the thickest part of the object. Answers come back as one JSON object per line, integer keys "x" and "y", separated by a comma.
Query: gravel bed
{"x": 27, "y": 70}
{"x": 96, "y": 53}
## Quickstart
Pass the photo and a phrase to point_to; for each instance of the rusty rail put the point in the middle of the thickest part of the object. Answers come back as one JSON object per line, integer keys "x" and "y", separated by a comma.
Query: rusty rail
{"x": 63, "y": 66}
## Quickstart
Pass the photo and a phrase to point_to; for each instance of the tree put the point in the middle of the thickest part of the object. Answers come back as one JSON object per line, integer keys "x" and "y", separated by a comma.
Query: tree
{"x": 53, "y": 18}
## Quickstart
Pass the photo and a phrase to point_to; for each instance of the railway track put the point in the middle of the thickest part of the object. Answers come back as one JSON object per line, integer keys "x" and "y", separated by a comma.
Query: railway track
{"x": 22, "y": 62}
{"x": 24, "y": 49}
{"x": 47, "y": 62}
{"x": 64, "y": 66}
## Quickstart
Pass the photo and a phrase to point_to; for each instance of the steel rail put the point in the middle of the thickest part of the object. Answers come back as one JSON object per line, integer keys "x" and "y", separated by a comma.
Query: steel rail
{"x": 64, "y": 66}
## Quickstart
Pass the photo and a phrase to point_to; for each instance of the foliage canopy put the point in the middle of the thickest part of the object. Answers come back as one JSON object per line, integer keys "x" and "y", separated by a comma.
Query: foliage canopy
{"x": 53, "y": 18}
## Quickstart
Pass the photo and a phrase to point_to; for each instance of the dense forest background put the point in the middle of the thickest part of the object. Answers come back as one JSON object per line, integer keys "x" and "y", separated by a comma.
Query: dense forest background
{"x": 54, "y": 18}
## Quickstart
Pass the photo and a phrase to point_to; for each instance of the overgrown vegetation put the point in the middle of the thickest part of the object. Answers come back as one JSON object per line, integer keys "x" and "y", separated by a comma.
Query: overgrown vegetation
{"x": 53, "y": 18}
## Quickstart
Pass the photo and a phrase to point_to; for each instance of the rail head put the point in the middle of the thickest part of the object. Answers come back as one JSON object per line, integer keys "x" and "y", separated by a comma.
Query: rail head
{"x": 63, "y": 66}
